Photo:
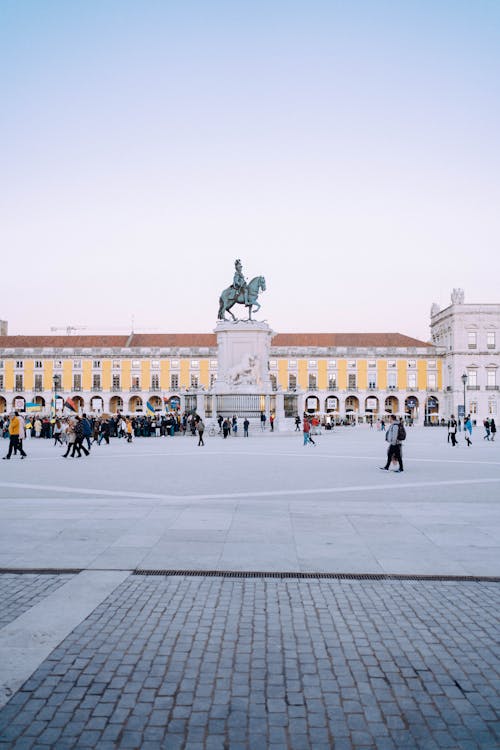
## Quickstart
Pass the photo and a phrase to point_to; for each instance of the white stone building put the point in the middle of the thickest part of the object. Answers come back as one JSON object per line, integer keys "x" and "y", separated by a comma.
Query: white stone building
{"x": 467, "y": 339}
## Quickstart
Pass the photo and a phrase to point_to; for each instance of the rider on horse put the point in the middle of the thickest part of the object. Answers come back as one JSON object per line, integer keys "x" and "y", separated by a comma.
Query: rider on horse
{"x": 239, "y": 283}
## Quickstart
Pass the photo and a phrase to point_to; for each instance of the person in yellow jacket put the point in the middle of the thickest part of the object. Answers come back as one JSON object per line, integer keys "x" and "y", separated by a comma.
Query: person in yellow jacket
{"x": 129, "y": 429}
{"x": 15, "y": 444}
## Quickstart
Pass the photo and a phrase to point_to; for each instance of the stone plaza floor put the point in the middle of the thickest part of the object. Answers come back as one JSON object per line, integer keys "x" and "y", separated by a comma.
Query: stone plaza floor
{"x": 96, "y": 653}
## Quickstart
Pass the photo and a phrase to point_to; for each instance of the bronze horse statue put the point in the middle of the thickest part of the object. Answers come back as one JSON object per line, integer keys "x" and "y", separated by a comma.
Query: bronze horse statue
{"x": 232, "y": 296}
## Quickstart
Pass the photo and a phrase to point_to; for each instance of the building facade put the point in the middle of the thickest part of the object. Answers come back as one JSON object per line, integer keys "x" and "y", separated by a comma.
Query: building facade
{"x": 351, "y": 377}
{"x": 467, "y": 337}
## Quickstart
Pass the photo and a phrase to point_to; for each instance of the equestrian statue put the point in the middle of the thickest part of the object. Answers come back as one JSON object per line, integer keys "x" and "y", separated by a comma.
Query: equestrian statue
{"x": 241, "y": 293}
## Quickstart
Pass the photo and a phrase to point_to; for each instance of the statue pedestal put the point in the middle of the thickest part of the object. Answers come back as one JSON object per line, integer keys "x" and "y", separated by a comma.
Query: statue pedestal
{"x": 243, "y": 356}
{"x": 243, "y": 386}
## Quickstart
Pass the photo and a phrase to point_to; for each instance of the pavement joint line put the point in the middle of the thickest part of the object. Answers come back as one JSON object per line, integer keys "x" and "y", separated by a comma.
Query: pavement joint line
{"x": 310, "y": 454}
{"x": 119, "y": 494}
{"x": 26, "y": 642}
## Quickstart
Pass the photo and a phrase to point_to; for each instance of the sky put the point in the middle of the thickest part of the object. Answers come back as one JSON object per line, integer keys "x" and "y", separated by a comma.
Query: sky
{"x": 346, "y": 151}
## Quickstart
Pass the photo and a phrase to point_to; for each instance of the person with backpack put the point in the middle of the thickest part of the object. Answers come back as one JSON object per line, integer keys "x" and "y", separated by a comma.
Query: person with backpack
{"x": 395, "y": 435}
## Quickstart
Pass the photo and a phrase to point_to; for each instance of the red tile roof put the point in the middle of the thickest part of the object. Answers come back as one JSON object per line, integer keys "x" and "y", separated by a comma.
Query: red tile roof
{"x": 174, "y": 339}
{"x": 60, "y": 342}
{"x": 365, "y": 340}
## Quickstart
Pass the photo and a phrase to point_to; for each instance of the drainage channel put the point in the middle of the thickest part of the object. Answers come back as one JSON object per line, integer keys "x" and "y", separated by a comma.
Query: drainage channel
{"x": 285, "y": 574}
{"x": 301, "y": 575}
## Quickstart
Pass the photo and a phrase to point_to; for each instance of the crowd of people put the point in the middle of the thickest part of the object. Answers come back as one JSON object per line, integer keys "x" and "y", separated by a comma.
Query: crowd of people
{"x": 77, "y": 433}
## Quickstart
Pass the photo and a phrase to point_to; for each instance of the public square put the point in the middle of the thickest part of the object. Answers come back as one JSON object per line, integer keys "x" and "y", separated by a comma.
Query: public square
{"x": 114, "y": 637}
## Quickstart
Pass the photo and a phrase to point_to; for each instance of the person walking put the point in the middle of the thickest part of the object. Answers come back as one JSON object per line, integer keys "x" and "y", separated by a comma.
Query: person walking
{"x": 297, "y": 423}
{"x": 104, "y": 432}
{"x": 14, "y": 443}
{"x": 468, "y": 430}
{"x": 79, "y": 436}
{"x": 235, "y": 425}
{"x": 452, "y": 430}
{"x": 22, "y": 435}
{"x": 57, "y": 432}
{"x": 70, "y": 434}
{"x": 271, "y": 422}
{"x": 487, "y": 430}
{"x": 87, "y": 430}
{"x": 306, "y": 429}
{"x": 493, "y": 429}
{"x": 226, "y": 428}
{"x": 393, "y": 436}
{"x": 201, "y": 429}
{"x": 246, "y": 425}
{"x": 129, "y": 429}
{"x": 262, "y": 421}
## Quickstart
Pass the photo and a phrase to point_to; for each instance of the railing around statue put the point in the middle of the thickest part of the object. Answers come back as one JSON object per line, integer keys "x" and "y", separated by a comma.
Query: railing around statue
{"x": 243, "y": 405}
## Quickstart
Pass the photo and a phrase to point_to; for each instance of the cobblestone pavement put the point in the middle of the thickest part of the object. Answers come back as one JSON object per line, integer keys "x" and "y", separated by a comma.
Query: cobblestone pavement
{"x": 193, "y": 662}
{"x": 18, "y": 593}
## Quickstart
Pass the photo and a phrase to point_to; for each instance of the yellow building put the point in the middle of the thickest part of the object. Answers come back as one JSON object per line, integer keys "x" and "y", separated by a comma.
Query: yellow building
{"x": 352, "y": 377}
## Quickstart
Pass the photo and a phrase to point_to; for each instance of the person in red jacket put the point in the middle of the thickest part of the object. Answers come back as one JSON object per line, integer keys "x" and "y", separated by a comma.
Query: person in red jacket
{"x": 306, "y": 428}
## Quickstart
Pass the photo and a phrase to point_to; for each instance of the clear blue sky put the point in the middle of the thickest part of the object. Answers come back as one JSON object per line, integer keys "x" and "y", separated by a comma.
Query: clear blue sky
{"x": 347, "y": 151}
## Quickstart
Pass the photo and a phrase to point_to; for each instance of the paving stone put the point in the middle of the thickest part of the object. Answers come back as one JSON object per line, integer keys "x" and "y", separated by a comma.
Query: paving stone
{"x": 212, "y": 663}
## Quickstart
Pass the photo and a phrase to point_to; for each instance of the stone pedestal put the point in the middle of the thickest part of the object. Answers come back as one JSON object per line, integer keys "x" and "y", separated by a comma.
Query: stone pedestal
{"x": 243, "y": 357}
{"x": 243, "y": 386}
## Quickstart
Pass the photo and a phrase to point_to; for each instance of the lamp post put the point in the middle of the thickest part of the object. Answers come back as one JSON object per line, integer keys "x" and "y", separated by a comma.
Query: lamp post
{"x": 464, "y": 381}
{"x": 53, "y": 416}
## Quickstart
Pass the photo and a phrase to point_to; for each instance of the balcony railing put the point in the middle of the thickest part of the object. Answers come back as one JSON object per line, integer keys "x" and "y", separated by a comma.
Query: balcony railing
{"x": 473, "y": 387}
{"x": 135, "y": 388}
{"x": 116, "y": 388}
{"x": 77, "y": 388}
{"x": 492, "y": 387}
{"x": 155, "y": 388}
{"x": 37, "y": 388}
{"x": 96, "y": 388}
{"x": 19, "y": 389}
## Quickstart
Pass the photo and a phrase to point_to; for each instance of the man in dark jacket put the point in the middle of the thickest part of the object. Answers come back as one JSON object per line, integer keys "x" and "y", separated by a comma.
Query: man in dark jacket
{"x": 104, "y": 435}
{"x": 87, "y": 430}
{"x": 79, "y": 435}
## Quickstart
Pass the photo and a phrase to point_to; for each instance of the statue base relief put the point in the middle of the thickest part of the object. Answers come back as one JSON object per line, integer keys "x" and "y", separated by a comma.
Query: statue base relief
{"x": 243, "y": 356}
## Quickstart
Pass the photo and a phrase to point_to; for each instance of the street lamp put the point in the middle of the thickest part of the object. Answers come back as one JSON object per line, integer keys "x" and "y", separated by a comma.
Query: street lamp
{"x": 55, "y": 381}
{"x": 464, "y": 381}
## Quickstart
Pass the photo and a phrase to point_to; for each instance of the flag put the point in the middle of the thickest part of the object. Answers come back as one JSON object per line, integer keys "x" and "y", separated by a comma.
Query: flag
{"x": 150, "y": 408}
{"x": 70, "y": 404}
{"x": 32, "y": 406}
